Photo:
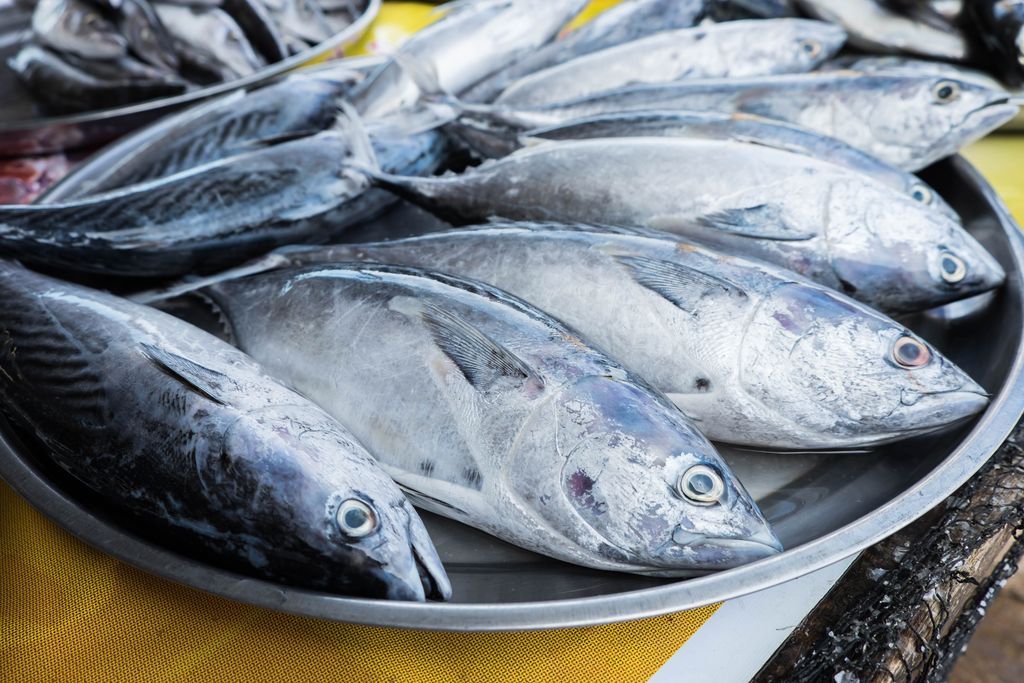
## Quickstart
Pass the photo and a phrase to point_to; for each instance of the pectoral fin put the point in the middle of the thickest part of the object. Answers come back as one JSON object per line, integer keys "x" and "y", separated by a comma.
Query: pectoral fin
{"x": 208, "y": 383}
{"x": 685, "y": 287}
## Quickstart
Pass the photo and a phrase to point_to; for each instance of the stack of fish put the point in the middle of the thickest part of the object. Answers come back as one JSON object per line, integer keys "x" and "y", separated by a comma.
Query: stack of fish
{"x": 697, "y": 234}
{"x": 89, "y": 54}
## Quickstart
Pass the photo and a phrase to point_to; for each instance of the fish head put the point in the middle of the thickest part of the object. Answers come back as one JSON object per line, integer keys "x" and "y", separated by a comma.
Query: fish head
{"x": 334, "y": 514}
{"x": 847, "y": 375}
{"x": 818, "y": 41}
{"x": 631, "y": 480}
{"x": 899, "y": 255}
{"x": 934, "y": 116}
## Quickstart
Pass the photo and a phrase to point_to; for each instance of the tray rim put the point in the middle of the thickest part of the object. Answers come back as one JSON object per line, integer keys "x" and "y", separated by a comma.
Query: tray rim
{"x": 977, "y": 447}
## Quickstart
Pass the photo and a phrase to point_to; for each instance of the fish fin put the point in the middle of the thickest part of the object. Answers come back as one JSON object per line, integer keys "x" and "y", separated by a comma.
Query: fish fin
{"x": 202, "y": 380}
{"x": 759, "y": 222}
{"x": 420, "y": 499}
{"x": 685, "y": 287}
{"x": 350, "y": 124}
{"x": 422, "y": 74}
{"x": 271, "y": 140}
{"x": 482, "y": 361}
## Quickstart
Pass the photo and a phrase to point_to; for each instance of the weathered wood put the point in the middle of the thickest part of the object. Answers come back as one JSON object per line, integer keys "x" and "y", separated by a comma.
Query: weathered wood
{"x": 906, "y": 608}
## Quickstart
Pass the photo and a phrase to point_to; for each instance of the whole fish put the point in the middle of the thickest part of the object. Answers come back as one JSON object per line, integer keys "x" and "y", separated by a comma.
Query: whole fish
{"x": 999, "y": 25}
{"x": 733, "y": 49}
{"x": 487, "y": 411}
{"x": 67, "y": 88}
{"x": 212, "y": 30}
{"x": 215, "y": 215}
{"x": 744, "y": 128}
{"x": 77, "y": 27}
{"x": 470, "y": 42}
{"x": 876, "y": 28}
{"x": 747, "y": 350}
{"x": 833, "y": 226}
{"x": 239, "y": 122}
{"x": 622, "y": 23}
{"x": 174, "y": 426}
{"x": 909, "y": 121}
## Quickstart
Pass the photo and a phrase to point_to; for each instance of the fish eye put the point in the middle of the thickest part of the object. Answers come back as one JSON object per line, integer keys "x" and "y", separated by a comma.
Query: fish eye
{"x": 909, "y": 353}
{"x": 355, "y": 518}
{"x": 811, "y": 47}
{"x": 945, "y": 92}
{"x": 952, "y": 268}
{"x": 921, "y": 194}
{"x": 701, "y": 484}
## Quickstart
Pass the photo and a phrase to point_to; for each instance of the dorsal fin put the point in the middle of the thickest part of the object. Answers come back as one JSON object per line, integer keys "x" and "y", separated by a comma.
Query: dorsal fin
{"x": 482, "y": 361}
{"x": 685, "y": 287}
{"x": 202, "y": 380}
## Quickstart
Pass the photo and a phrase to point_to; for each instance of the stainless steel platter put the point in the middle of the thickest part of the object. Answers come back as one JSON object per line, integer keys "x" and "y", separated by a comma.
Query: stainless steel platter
{"x": 25, "y": 131}
{"x": 824, "y": 506}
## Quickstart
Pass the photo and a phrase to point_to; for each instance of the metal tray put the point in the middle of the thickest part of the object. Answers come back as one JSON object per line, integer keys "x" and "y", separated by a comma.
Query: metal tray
{"x": 23, "y": 131}
{"x": 824, "y": 506}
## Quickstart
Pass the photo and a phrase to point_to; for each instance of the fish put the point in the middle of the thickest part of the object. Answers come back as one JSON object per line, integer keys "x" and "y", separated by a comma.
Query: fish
{"x": 191, "y": 437}
{"x": 747, "y": 350}
{"x": 489, "y": 412}
{"x": 999, "y": 26}
{"x": 909, "y": 121}
{"x": 300, "y": 20}
{"x": 471, "y": 41}
{"x": 833, "y": 226}
{"x": 239, "y": 122}
{"x": 732, "y": 49}
{"x": 65, "y": 88}
{"x": 622, "y": 23}
{"x": 77, "y": 27}
{"x": 876, "y": 28}
{"x": 744, "y": 128}
{"x": 146, "y": 35}
{"x": 213, "y": 31}
{"x": 216, "y": 215}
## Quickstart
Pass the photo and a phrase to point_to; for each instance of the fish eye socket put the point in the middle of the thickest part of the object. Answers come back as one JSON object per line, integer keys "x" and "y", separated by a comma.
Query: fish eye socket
{"x": 355, "y": 518}
{"x": 811, "y": 47}
{"x": 945, "y": 92}
{"x": 909, "y": 353}
{"x": 701, "y": 484}
{"x": 952, "y": 268}
{"x": 921, "y": 194}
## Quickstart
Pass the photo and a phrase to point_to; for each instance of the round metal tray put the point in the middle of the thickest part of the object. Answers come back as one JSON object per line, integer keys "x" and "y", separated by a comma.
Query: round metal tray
{"x": 24, "y": 133}
{"x": 824, "y": 506}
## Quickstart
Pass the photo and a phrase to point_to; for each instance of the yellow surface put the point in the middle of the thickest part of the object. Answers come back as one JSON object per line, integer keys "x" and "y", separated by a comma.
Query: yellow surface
{"x": 393, "y": 26}
{"x": 999, "y": 158}
{"x": 71, "y": 613}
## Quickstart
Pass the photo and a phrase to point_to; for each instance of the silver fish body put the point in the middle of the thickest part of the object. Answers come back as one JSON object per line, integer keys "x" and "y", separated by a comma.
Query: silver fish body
{"x": 75, "y": 26}
{"x": 215, "y": 215}
{"x": 836, "y": 227}
{"x": 732, "y": 49}
{"x": 471, "y": 41}
{"x": 491, "y": 413}
{"x": 876, "y": 28}
{"x": 190, "y": 436}
{"x": 234, "y": 124}
{"x": 755, "y": 355}
{"x": 745, "y": 128}
{"x": 212, "y": 30}
{"x": 626, "y": 21}
{"x": 909, "y": 121}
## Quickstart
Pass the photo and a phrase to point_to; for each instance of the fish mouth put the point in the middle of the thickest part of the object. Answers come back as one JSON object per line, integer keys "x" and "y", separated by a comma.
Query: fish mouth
{"x": 991, "y": 115}
{"x": 715, "y": 552}
{"x": 433, "y": 578}
{"x": 954, "y": 407}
